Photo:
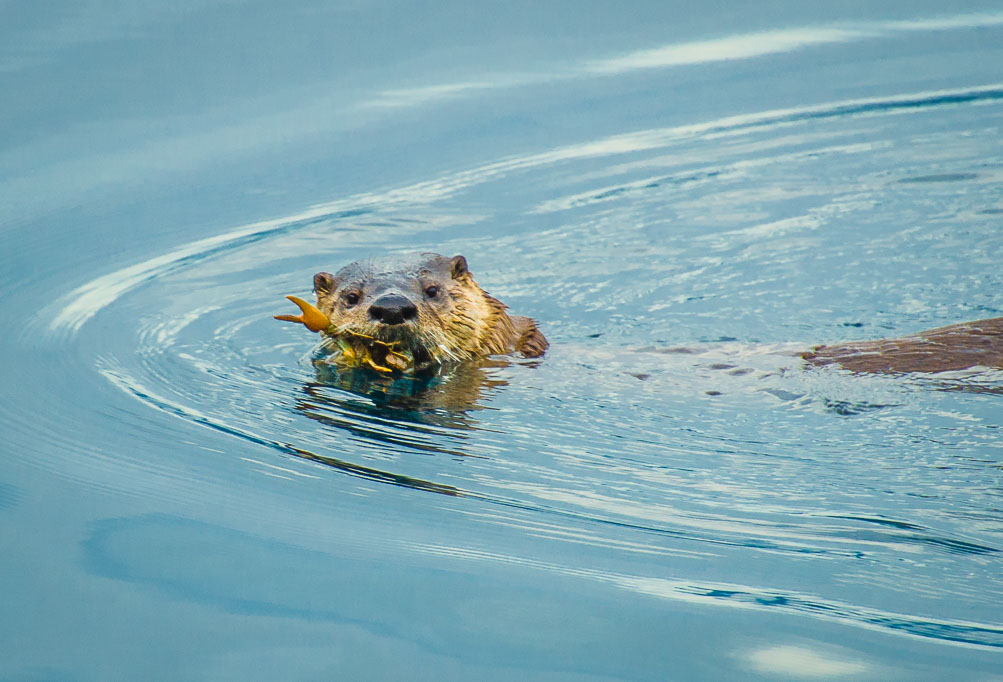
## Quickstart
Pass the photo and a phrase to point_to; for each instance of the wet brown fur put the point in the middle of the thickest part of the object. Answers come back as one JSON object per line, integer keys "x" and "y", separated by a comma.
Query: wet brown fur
{"x": 945, "y": 349}
{"x": 461, "y": 322}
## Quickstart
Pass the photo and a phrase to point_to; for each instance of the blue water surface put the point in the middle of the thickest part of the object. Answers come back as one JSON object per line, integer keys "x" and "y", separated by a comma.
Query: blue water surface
{"x": 683, "y": 195}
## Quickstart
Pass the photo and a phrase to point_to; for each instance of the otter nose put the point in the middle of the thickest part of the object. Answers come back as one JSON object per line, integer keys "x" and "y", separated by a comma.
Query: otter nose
{"x": 392, "y": 309}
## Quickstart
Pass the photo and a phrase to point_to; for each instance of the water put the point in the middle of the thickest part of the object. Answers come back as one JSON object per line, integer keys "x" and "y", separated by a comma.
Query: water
{"x": 183, "y": 496}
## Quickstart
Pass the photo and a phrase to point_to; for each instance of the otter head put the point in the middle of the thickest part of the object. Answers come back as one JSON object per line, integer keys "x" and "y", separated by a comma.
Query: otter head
{"x": 428, "y": 307}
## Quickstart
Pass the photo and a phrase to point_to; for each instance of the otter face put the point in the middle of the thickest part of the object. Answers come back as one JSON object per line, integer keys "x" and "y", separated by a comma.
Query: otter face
{"x": 420, "y": 305}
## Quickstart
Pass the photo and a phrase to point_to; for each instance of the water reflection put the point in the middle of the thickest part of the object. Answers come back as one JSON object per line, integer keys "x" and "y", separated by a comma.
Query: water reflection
{"x": 790, "y": 660}
{"x": 752, "y": 45}
{"x": 737, "y": 47}
{"x": 403, "y": 426}
{"x": 443, "y": 395}
{"x": 743, "y": 596}
{"x": 428, "y": 412}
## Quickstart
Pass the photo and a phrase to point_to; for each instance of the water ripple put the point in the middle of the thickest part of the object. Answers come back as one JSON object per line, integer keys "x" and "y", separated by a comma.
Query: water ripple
{"x": 672, "y": 417}
{"x": 71, "y": 311}
{"x": 740, "y": 596}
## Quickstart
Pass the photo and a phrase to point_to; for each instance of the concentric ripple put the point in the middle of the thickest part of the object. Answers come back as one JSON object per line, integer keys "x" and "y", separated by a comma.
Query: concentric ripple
{"x": 676, "y": 271}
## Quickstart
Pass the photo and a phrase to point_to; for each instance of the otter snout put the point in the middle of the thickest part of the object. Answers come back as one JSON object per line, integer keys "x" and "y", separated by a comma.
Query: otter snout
{"x": 392, "y": 309}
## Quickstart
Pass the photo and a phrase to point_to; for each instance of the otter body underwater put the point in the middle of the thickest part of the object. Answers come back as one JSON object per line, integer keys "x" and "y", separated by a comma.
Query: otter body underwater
{"x": 420, "y": 313}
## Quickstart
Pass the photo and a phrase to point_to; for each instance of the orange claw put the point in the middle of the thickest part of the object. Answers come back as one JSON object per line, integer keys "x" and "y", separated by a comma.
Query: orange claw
{"x": 312, "y": 318}
{"x": 378, "y": 368}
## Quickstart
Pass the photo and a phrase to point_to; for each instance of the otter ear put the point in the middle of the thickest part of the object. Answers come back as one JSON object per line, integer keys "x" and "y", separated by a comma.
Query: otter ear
{"x": 458, "y": 267}
{"x": 323, "y": 283}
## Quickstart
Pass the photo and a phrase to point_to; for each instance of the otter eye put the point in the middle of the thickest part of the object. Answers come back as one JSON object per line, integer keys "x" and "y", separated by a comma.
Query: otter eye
{"x": 432, "y": 291}
{"x": 351, "y": 299}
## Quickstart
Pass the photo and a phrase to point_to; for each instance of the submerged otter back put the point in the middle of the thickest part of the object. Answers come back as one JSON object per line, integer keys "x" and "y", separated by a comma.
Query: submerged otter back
{"x": 956, "y": 347}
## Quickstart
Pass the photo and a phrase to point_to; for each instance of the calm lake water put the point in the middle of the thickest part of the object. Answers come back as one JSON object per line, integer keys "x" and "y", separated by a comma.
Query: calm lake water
{"x": 184, "y": 496}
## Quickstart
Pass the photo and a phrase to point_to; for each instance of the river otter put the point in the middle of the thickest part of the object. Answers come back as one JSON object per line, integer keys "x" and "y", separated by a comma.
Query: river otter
{"x": 413, "y": 313}
{"x": 421, "y": 312}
